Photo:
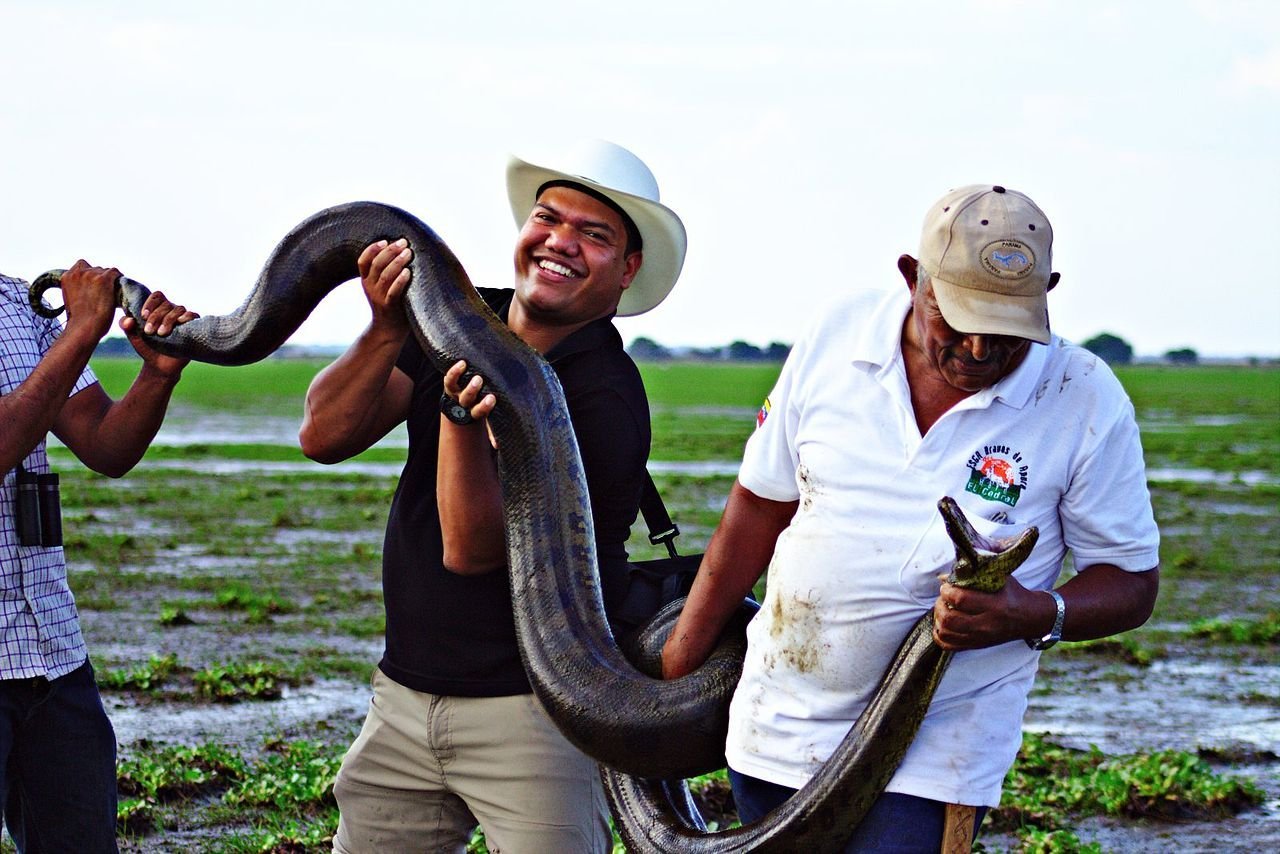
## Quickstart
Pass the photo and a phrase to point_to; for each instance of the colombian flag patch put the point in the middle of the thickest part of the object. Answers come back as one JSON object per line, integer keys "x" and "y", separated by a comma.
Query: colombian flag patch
{"x": 763, "y": 413}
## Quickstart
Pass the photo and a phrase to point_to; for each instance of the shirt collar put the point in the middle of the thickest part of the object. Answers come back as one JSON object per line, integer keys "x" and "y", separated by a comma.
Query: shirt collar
{"x": 879, "y": 348}
{"x": 596, "y": 333}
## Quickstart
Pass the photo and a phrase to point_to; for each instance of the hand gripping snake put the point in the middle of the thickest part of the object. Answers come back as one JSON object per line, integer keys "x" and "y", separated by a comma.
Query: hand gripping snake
{"x": 647, "y": 733}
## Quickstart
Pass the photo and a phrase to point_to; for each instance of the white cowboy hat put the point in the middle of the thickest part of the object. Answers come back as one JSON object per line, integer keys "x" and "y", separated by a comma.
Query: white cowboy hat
{"x": 620, "y": 176}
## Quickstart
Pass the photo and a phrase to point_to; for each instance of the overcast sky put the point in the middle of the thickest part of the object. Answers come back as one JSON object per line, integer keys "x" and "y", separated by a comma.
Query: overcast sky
{"x": 800, "y": 141}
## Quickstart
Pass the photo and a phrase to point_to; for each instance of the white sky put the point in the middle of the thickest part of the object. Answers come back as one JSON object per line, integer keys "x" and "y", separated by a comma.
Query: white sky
{"x": 800, "y": 141}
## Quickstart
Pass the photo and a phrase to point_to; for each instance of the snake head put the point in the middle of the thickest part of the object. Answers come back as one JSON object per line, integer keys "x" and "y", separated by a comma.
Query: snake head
{"x": 983, "y": 563}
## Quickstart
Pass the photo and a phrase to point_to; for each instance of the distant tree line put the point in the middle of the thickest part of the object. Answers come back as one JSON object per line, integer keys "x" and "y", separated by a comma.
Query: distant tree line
{"x": 114, "y": 347}
{"x": 1114, "y": 350}
{"x": 1111, "y": 348}
{"x": 648, "y": 350}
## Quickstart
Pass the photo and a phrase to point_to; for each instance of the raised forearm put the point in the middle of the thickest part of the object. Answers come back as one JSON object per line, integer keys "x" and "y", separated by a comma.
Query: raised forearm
{"x": 124, "y": 429}
{"x": 470, "y": 500}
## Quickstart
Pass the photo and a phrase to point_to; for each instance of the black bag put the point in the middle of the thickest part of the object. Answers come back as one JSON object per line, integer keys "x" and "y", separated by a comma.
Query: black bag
{"x": 650, "y": 584}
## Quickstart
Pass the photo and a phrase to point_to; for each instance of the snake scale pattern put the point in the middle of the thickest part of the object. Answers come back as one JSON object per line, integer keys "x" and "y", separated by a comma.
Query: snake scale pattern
{"x": 647, "y": 734}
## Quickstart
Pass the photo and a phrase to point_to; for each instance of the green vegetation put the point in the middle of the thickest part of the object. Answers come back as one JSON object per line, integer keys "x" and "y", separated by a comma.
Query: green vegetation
{"x": 143, "y": 677}
{"x": 254, "y": 680}
{"x": 271, "y": 387}
{"x": 1225, "y": 419}
{"x": 708, "y": 385}
{"x": 258, "y": 606}
{"x": 290, "y": 780}
{"x": 1050, "y": 786}
{"x": 163, "y": 676}
{"x": 1261, "y": 631}
{"x": 1122, "y": 648}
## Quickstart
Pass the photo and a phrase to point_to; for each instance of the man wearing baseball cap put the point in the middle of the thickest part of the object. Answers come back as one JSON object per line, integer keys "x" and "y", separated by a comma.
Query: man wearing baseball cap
{"x": 952, "y": 386}
{"x": 454, "y": 736}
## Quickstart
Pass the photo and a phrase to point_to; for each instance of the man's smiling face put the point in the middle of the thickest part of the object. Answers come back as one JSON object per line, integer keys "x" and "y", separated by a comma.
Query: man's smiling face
{"x": 571, "y": 262}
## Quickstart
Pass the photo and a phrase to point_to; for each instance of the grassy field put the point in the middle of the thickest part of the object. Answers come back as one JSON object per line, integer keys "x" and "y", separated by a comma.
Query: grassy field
{"x": 230, "y": 589}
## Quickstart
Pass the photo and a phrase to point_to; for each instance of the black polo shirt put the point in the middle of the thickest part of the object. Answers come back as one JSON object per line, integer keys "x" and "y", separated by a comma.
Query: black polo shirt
{"x": 453, "y": 634}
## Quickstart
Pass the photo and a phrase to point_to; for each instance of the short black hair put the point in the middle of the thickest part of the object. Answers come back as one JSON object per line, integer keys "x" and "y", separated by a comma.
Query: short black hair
{"x": 635, "y": 242}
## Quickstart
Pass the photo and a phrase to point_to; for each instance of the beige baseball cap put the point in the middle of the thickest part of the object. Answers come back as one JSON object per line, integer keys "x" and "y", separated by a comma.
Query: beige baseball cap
{"x": 989, "y": 252}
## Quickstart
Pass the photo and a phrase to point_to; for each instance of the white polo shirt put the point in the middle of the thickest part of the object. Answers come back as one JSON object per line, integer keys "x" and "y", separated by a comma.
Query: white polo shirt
{"x": 1054, "y": 445}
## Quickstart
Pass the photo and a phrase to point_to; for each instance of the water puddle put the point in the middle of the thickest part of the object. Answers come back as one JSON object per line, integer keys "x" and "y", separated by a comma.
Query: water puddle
{"x": 1247, "y": 478}
{"x": 712, "y": 468}
{"x": 1172, "y": 704}
{"x": 191, "y": 427}
{"x": 702, "y": 468}
{"x": 304, "y": 537}
{"x": 242, "y": 725}
{"x": 1224, "y": 509}
{"x": 1157, "y": 422}
{"x": 696, "y": 468}
{"x": 232, "y": 467}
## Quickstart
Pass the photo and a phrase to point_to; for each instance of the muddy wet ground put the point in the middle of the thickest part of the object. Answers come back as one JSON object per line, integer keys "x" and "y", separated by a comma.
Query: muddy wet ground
{"x": 293, "y": 528}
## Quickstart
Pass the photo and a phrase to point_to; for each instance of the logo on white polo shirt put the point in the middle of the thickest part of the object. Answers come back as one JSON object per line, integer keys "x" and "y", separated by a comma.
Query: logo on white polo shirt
{"x": 997, "y": 473}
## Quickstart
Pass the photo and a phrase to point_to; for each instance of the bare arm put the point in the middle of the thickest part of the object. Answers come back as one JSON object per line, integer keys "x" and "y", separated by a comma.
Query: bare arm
{"x": 467, "y": 487}
{"x": 356, "y": 400}
{"x": 108, "y": 437}
{"x": 739, "y": 552}
{"x": 1101, "y": 600}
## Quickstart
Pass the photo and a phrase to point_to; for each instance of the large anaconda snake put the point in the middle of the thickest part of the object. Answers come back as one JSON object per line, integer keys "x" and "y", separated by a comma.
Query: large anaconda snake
{"x": 648, "y": 733}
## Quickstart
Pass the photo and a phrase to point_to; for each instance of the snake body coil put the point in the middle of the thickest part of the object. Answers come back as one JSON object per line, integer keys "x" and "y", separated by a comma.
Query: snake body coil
{"x": 648, "y": 733}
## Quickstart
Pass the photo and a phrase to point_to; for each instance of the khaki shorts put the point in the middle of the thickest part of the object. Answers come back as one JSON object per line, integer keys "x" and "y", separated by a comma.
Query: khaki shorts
{"x": 426, "y": 769}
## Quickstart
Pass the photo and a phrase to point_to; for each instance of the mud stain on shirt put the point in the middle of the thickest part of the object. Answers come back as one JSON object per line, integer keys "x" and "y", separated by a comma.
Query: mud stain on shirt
{"x": 796, "y": 626}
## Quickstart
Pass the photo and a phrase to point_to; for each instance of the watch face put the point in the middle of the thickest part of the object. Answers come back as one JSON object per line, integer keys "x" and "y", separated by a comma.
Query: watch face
{"x": 455, "y": 411}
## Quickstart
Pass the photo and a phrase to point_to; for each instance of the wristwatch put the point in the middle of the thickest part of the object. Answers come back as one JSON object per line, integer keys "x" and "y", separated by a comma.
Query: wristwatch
{"x": 1055, "y": 634}
{"x": 455, "y": 411}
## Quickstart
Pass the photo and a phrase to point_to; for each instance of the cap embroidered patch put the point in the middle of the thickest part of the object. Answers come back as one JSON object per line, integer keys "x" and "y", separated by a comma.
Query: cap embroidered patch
{"x": 1008, "y": 259}
{"x": 763, "y": 413}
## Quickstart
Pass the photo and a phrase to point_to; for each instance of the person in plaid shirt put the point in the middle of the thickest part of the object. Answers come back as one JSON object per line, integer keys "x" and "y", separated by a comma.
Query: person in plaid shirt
{"x": 57, "y": 747}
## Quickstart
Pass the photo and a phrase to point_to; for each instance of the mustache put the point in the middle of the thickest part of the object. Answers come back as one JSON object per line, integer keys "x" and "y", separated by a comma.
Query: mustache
{"x": 994, "y": 356}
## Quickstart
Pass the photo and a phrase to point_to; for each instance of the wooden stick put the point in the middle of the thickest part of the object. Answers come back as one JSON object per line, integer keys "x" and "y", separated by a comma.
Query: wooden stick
{"x": 957, "y": 829}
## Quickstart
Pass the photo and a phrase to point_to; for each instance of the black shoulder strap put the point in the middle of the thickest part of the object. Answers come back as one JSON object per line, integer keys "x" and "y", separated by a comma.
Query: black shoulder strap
{"x": 661, "y": 528}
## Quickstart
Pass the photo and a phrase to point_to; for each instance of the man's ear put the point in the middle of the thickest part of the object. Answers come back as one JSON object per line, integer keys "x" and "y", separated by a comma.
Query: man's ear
{"x": 632, "y": 262}
{"x": 908, "y": 267}
{"x": 1054, "y": 278}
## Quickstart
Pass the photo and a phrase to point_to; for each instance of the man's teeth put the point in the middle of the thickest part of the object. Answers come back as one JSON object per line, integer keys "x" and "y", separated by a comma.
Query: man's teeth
{"x": 559, "y": 269}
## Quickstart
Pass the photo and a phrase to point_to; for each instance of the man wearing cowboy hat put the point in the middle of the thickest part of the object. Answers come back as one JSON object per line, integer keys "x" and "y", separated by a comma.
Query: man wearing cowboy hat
{"x": 454, "y": 737}
{"x": 952, "y": 386}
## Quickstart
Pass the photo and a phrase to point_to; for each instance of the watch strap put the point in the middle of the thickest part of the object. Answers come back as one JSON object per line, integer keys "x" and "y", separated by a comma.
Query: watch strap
{"x": 455, "y": 411}
{"x": 1055, "y": 634}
